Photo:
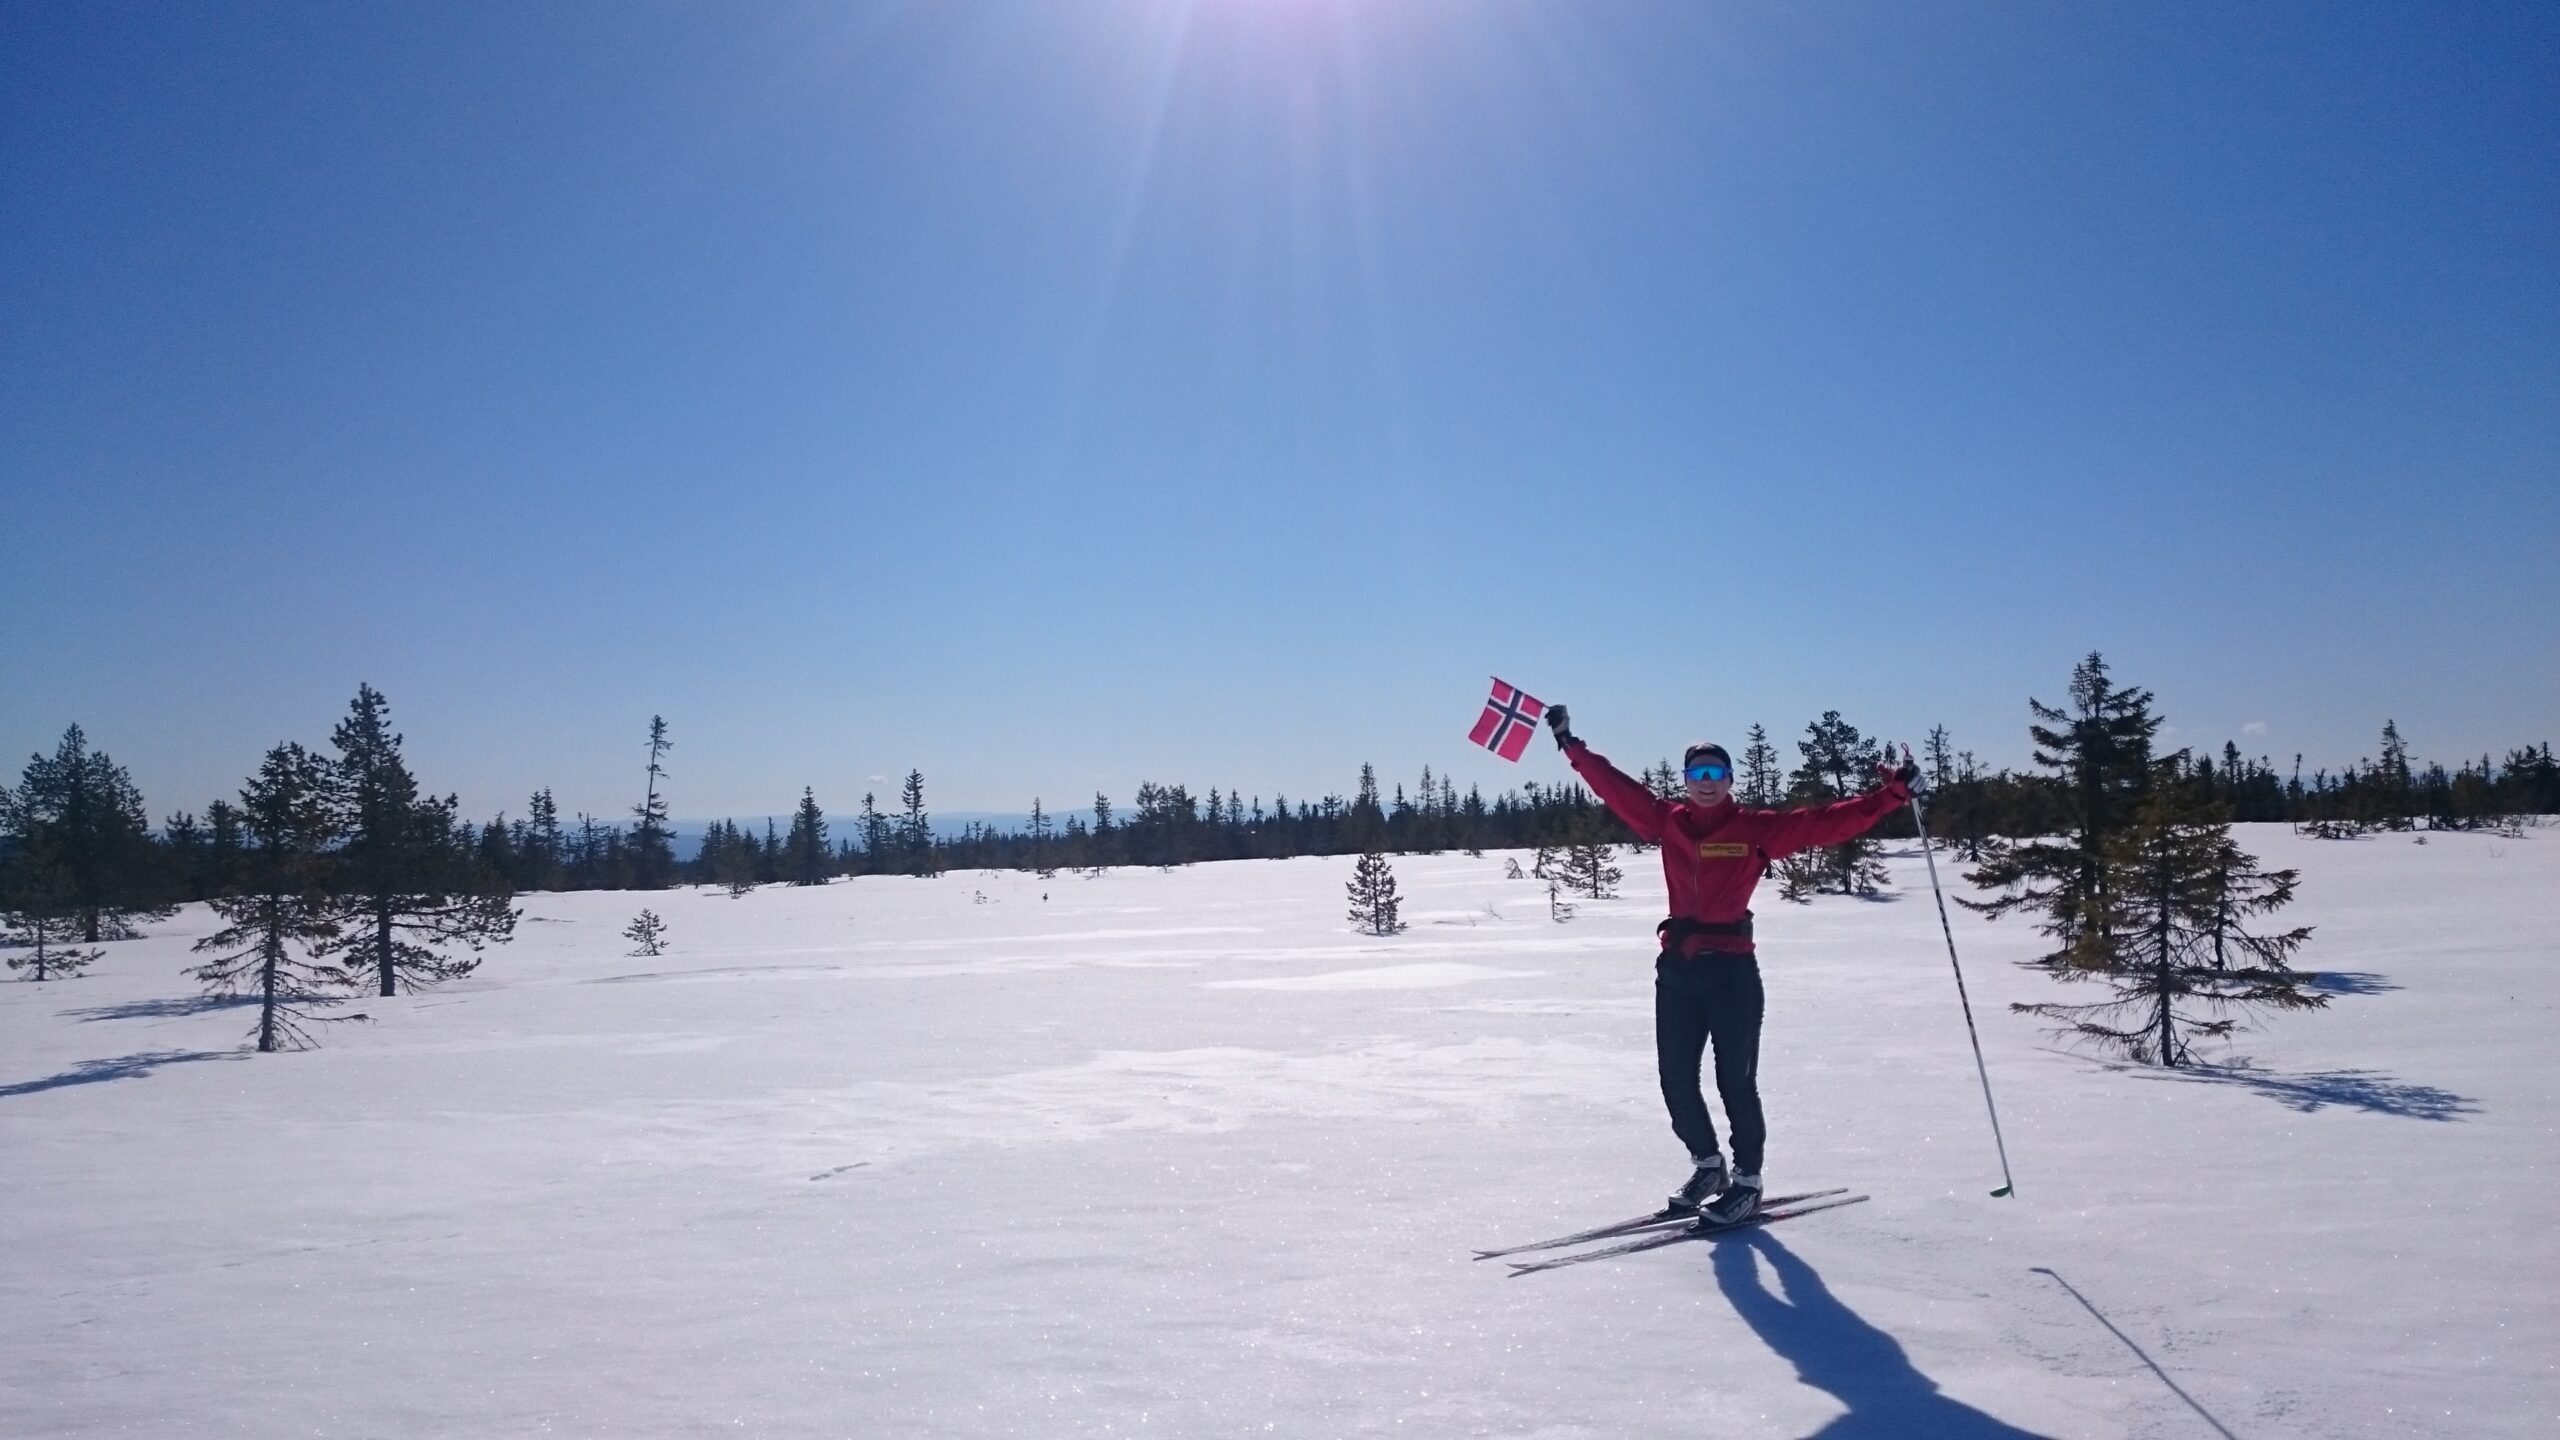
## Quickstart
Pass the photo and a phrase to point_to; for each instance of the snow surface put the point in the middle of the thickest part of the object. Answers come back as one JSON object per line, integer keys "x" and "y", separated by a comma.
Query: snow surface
{"x": 1178, "y": 1153}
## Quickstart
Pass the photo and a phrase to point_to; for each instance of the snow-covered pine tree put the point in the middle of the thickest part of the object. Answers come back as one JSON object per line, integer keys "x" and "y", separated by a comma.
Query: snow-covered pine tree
{"x": 1559, "y": 909}
{"x": 1838, "y": 763}
{"x": 650, "y": 854}
{"x": 100, "y": 853}
{"x": 2100, "y": 751}
{"x": 406, "y": 891}
{"x": 1373, "y": 895}
{"x": 805, "y": 850}
{"x": 283, "y": 916}
{"x": 648, "y": 933}
{"x": 2175, "y": 950}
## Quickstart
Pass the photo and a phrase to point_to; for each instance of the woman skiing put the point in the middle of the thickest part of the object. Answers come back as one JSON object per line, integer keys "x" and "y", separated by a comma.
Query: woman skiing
{"x": 1706, "y": 981}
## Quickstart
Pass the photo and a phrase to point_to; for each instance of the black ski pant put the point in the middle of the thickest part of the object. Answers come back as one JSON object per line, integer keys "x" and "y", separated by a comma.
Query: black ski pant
{"x": 1711, "y": 997}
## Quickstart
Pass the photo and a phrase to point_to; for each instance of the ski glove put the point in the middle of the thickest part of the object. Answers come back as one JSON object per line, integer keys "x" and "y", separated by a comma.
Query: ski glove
{"x": 1906, "y": 772}
{"x": 1562, "y": 727}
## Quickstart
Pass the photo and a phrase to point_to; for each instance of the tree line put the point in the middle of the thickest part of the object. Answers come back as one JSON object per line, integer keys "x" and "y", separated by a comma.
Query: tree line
{"x": 331, "y": 874}
{"x": 81, "y": 865}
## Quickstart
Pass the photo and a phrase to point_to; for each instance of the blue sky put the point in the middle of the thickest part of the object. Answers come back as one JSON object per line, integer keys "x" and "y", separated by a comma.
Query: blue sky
{"x": 1054, "y": 396}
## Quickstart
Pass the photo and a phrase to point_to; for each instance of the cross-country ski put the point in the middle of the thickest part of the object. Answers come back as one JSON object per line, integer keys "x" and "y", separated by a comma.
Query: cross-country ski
{"x": 1658, "y": 1218}
{"x": 1694, "y": 1230}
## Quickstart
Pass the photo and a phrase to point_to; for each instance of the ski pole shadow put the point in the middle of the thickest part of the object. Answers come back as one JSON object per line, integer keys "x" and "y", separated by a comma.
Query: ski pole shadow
{"x": 121, "y": 1067}
{"x": 1834, "y": 1349}
{"x": 2138, "y": 1352}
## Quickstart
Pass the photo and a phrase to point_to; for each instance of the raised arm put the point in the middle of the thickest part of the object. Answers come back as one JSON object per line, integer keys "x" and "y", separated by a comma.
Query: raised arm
{"x": 1814, "y": 826}
{"x": 1627, "y": 798}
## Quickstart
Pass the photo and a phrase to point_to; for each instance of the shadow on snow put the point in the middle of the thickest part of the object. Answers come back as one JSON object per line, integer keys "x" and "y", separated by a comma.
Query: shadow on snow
{"x": 2350, "y": 982}
{"x": 160, "y": 1009}
{"x": 1835, "y": 1350}
{"x": 122, "y": 1067}
{"x": 2368, "y": 1090}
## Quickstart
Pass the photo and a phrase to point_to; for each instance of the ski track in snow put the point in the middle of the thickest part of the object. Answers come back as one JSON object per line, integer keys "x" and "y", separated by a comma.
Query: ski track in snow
{"x": 885, "y": 1158}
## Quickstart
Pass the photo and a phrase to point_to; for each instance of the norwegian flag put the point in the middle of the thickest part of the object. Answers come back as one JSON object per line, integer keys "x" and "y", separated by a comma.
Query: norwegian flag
{"x": 1509, "y": 719}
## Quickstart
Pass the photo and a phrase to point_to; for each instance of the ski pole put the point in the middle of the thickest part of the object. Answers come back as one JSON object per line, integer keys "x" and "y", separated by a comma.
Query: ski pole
{"x": 2008, "y": 1187}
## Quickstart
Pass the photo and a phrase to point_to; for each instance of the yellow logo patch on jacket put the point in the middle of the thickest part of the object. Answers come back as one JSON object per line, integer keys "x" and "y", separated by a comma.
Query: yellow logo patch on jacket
{"x": 1722, "y": 850}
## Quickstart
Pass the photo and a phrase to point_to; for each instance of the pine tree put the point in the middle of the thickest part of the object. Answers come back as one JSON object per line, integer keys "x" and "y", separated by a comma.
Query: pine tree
{"x": 406, "y": 889}
{"x": 647, "y": 933}
{"x": 1759, "y": 788}
{"x": 1102, "y": 840}
{"x": 2100, "y": 751}
{"x": 1043, "y": 864}
{"x": 651, "y": 853}
{"x": 915, "y": 828}
{"x": 2175, "y": 951}
{"x": 1366, "y": 827}
{"x": 38, "y": 911}
{"x": 543, "y": 852}
{"x": 99, "y": 837}
{"x": 1939, "y": 759}
{"x": 1559, "y": 909}
{"x": 807, "y": 847}
{"x": 2394, "y": 786}
{"x": 1837, "y": 762}
{"x": 1373, "y": 895}
{"x": 878, "y": 843}
{"x": 1587, "y": 870}
{"x": 290, "y": 817}
{"x": 768, "y": 855}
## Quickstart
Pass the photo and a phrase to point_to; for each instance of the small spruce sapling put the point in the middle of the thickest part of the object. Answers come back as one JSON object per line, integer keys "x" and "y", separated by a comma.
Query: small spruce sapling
{"x": 1373, "y": 895}
{"x": 648, "y": 933}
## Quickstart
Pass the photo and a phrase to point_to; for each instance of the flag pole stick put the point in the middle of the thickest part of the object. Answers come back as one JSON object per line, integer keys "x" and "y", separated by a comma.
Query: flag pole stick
{"x": 2008, "y": 1186}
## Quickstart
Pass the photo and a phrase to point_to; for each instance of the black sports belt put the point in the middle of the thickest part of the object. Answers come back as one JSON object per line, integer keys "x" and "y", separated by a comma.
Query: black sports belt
{"x": 1676, "y": 931}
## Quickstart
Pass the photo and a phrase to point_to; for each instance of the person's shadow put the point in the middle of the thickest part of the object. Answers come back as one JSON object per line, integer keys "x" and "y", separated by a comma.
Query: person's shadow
{"x": 1834, "y": 1350}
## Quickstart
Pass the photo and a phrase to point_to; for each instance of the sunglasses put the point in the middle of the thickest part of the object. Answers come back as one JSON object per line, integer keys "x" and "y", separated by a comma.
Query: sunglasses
{"x": 1709, "y": 770}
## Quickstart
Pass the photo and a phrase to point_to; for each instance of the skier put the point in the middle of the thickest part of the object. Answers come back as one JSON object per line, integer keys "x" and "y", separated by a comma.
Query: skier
{"x": 1706, "y": 981}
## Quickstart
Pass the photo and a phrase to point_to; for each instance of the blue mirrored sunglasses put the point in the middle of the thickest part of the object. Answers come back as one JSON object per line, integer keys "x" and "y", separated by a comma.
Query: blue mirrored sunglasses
{"x": 1708, "y": 770}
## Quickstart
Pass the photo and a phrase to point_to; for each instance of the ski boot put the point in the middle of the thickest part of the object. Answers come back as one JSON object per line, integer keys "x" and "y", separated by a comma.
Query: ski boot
{"x": 1739, "y": 1202}
{"x": 1704, "y": 1182}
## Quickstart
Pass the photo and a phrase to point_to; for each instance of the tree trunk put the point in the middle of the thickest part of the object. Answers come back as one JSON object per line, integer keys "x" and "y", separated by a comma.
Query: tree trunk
{"x": 382, "y": 946}
{"x": 274, "y": 947}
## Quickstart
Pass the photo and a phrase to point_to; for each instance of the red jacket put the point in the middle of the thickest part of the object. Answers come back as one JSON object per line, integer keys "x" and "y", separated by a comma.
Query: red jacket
{"x": 1712, "y": 858}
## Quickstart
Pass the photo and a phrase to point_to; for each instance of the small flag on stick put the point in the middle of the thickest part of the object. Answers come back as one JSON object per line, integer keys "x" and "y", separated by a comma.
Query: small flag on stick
{"x": 1509, "y": 719}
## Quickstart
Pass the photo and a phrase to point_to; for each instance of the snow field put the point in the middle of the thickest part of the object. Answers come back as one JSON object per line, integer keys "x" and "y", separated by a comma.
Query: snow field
{"x": 1178, "y": 1153}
